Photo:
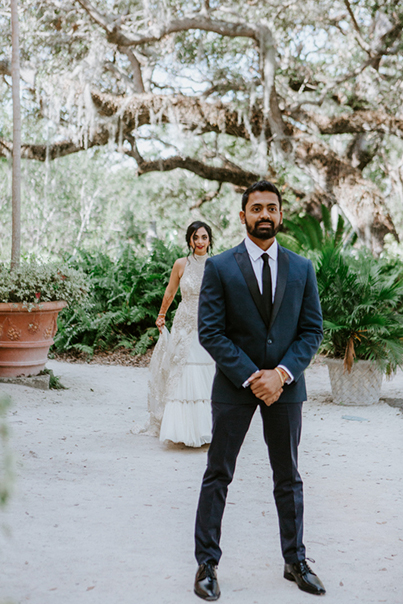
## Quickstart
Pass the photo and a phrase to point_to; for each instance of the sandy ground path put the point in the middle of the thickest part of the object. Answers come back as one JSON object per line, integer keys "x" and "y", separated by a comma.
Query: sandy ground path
{"x": 101, "y": 515}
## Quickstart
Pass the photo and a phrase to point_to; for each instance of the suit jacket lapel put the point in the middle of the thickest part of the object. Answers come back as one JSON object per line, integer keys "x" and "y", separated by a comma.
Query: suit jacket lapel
{"x": 244, "y": 263}
{"x": 283, "y": 262}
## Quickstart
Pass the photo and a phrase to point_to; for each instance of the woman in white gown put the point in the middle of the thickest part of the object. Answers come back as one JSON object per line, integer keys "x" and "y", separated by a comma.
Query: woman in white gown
{"x": 181, "y": 371}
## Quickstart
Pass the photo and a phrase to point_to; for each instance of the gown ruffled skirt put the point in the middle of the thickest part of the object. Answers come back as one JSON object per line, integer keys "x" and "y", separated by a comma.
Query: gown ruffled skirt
{"x": 187, "y": 413}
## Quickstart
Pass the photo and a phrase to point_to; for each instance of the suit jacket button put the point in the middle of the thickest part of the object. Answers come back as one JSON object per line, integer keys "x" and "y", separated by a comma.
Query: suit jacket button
{"x": 269, "y": 341}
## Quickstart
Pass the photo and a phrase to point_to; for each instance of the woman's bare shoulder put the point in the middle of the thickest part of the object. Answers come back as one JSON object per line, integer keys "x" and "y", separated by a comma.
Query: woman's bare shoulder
{"x": 179, "y": 266}
{"x": 181, "y": 262}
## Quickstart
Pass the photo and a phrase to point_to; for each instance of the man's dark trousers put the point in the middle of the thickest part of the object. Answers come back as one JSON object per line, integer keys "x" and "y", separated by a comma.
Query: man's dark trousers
{"x": 282, "y": 432}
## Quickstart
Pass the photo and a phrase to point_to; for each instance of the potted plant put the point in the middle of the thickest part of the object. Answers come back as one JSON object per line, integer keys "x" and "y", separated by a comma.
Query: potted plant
{"x": 361, "y": 300}
{"x": 31, "y": 296}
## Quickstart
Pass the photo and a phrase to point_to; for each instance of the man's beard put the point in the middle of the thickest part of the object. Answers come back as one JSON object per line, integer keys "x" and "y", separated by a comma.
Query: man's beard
{"x": 267, "y": 233}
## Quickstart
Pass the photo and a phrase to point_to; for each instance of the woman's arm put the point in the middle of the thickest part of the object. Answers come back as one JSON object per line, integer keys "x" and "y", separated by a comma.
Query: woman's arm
{"x": 170, "y": 292}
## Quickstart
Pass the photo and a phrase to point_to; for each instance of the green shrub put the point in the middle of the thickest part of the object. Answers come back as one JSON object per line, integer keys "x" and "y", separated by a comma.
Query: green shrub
{"x": 361, "y": 298}
{"x": 32, "y": 283}
{"x": 124, "y": 299}
{"x": 308, "y": 236}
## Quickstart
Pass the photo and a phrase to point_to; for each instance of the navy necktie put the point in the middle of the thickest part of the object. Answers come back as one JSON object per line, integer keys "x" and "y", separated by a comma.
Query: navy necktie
{"x": 266, "y": 283}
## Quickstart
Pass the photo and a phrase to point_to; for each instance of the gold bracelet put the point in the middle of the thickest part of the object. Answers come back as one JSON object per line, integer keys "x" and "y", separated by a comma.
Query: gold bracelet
{"x": 282, "y": 378}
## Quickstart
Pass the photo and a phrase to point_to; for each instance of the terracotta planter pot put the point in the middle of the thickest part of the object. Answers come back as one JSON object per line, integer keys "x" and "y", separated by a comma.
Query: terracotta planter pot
{"x": 25, "y": 337}
{"x": 362, "y": 386}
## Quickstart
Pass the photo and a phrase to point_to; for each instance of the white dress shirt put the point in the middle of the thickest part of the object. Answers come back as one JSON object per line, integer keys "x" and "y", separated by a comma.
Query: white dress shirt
{"x": 255, "y": 254}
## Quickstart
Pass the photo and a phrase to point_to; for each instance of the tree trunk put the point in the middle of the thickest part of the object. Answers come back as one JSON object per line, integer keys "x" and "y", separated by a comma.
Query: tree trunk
{"x": 16, "y": 180}
{"x": 360, "y": 199}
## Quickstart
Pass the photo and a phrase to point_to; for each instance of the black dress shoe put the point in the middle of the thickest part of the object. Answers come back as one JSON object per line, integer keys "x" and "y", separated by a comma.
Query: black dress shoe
{"x": 304, "y": 577}
{"x": 206, "y": 584}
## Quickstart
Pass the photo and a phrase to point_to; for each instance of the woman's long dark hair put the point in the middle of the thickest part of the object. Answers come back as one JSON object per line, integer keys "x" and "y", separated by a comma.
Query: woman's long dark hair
{"x": 195, "y": 226}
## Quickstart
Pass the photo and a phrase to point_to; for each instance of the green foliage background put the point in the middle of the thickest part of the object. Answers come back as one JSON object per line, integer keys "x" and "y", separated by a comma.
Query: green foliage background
{"x": 94, "y": 201}
{"x": 362, "y": 301}
{"x": 125, "y": 297}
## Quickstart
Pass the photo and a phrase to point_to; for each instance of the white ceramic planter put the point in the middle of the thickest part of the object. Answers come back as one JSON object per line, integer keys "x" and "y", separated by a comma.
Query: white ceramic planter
{"x": 362, "y": 386}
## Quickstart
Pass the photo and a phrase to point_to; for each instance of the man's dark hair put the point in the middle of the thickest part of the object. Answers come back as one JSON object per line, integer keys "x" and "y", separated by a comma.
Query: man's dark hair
{"x": 261, "y": 185}
{"x": 195, "y": 226}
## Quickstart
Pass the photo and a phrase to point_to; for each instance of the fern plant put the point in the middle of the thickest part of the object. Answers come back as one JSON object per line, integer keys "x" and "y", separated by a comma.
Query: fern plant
{"x": 125, "y": 296}
{"x": 360, "y": 300}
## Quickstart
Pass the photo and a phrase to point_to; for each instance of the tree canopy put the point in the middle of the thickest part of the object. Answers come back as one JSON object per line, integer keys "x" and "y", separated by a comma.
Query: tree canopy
{"x": 307, "y": 94}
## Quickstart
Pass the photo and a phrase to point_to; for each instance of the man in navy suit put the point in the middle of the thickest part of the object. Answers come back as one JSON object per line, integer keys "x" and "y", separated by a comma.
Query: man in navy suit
{"x": 260, "y": 319}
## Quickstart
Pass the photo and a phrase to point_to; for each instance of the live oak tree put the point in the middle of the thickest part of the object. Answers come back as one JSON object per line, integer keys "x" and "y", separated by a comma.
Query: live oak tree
{"x": 307, "y": 94}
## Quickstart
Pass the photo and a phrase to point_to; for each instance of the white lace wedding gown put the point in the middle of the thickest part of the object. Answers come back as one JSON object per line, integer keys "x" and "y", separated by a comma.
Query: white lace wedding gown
{"x": 181, "y": 371}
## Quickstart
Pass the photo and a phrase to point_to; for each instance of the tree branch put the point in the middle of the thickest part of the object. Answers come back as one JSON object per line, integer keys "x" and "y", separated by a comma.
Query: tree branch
{"x": 271, "y": 110}
{"x": 135, "y": 111}
{"x": 207, "y": 197}
{"x": 113, "y": 68}
{"x": 260, "y": 33}
{"x": 28, "y": 75}
{"x": 138, "y": 84}
{"x": 362, "y": 149}
{"x": 241, "y": 178}
{"x": 354, "y": 123}
{"x": 55, "y": 150}
{"x": 358, "y": 34}
{"x": 375, "y": 56}
{"x": 194, "y": 113}
{"x": 96, "y": 16}
{"x": 156, "y": 32}
{"x": 359, "y": 198}
{"x": 348, "y": 76}
{"x": 391, "y": 33}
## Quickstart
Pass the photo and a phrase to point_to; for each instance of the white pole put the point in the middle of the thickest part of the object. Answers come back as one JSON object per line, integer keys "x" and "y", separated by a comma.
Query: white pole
{"x": 16, "y": 180}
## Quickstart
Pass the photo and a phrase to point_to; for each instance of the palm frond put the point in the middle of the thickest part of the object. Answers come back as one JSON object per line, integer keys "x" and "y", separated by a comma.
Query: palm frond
{"x": 361, "y": 302}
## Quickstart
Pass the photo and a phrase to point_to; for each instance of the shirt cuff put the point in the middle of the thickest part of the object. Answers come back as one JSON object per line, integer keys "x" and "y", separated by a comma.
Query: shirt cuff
{"x": 291, "y": 378}
{"x": 246, "y": 383}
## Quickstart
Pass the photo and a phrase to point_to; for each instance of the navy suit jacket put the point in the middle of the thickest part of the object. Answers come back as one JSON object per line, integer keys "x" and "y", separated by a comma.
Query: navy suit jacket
{"x": 234, "y": 329}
